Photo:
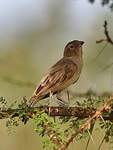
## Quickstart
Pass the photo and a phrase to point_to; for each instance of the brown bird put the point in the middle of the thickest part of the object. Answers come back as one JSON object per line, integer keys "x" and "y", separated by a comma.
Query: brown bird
{"x": 61, "y": 75}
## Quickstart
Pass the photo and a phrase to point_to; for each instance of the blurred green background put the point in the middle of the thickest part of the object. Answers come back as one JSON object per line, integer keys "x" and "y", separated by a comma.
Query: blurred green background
{"x": 33, "y": 34}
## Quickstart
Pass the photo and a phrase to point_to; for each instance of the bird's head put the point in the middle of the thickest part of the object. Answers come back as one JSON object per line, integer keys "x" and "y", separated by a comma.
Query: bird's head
{"x": 73, "y": 49}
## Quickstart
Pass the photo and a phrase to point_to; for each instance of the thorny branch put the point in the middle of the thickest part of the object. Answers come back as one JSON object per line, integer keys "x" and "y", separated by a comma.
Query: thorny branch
{"x": 76, "y": 111}
{"x": 54, "y": 111}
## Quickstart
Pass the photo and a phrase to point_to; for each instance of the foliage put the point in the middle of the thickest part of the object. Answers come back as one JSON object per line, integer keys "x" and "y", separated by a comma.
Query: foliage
{"x": 55, "y": 131}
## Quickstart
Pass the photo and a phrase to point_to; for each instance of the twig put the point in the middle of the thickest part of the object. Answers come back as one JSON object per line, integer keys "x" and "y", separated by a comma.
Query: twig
{"x": 100, "y": 145}
{"x": 53, "y": 135}
{"x": 106, "y": 32}
{"x": 92, "y": 138}
{"x": 90, "y": 131}
{"x": 108, "y": 38}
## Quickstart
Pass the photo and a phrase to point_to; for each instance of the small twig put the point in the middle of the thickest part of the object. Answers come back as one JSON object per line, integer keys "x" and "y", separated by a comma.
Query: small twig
{"x": 100, "y": 41}
{"x": 101, "y": 143}
{"x": 52, "y": 135}
{"x": 108, "y": 38}
{"x": 91, "y": 138}
{"x": 90, "y": 131}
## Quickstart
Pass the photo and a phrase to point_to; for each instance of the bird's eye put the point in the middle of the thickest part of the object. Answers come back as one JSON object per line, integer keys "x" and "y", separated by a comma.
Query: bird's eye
{"x": 71, "y": 46}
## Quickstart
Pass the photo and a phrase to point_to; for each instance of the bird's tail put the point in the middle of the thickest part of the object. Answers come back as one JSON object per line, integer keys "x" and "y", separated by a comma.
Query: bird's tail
{"x": 33, "y": 100}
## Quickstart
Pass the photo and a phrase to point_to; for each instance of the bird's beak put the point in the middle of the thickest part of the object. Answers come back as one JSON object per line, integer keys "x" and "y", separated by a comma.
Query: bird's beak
{"x": 81, "y": 42}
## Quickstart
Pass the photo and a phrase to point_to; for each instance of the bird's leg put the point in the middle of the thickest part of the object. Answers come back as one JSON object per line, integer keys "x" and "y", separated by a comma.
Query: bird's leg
{"x": 61, "y": 102}
{"x": 68, "y": 96}
{"x": 51, "y": 98}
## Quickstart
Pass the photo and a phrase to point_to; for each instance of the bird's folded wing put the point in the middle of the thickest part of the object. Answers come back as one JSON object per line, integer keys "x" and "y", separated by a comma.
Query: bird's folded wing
{"x": 58, "y": 75}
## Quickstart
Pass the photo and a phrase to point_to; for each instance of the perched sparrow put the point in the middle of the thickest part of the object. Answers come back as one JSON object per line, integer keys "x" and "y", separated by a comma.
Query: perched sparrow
{"x": 61, "y": 75}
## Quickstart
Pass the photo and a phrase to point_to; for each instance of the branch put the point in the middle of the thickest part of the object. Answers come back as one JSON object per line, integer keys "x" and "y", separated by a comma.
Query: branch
{"x": 106, "y": 32}
{"x": 53, "y": 111}
{"x": 81, "y": 112}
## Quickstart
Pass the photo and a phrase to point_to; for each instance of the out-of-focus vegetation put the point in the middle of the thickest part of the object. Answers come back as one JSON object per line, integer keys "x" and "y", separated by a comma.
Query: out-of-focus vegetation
{"x": 32, "y": 37}
{"x": 109, "y": 3}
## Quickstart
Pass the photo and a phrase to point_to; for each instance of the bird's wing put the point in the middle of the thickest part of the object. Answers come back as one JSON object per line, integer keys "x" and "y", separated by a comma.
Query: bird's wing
{"x": 58, "y": 75}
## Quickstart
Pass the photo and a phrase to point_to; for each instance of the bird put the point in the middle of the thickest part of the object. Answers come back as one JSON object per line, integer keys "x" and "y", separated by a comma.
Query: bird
{"x": 62, "y": 74}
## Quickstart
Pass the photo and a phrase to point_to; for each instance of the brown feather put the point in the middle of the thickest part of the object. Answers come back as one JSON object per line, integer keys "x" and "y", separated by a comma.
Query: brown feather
{"x": 60, "y": 73}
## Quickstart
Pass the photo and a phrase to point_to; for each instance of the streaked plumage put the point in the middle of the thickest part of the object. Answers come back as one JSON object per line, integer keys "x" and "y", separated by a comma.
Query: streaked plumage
{"x": 61, "y": 75}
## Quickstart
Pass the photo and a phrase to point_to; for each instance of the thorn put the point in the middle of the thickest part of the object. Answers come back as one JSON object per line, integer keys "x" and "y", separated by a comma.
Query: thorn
{"x": 103, "y": 119}
{"x": 91, "y": 138}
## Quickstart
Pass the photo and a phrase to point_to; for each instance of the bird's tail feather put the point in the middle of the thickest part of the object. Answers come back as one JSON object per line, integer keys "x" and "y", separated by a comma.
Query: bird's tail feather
{"x": 33, "y": 100}
{"x": 36, "y": 98}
